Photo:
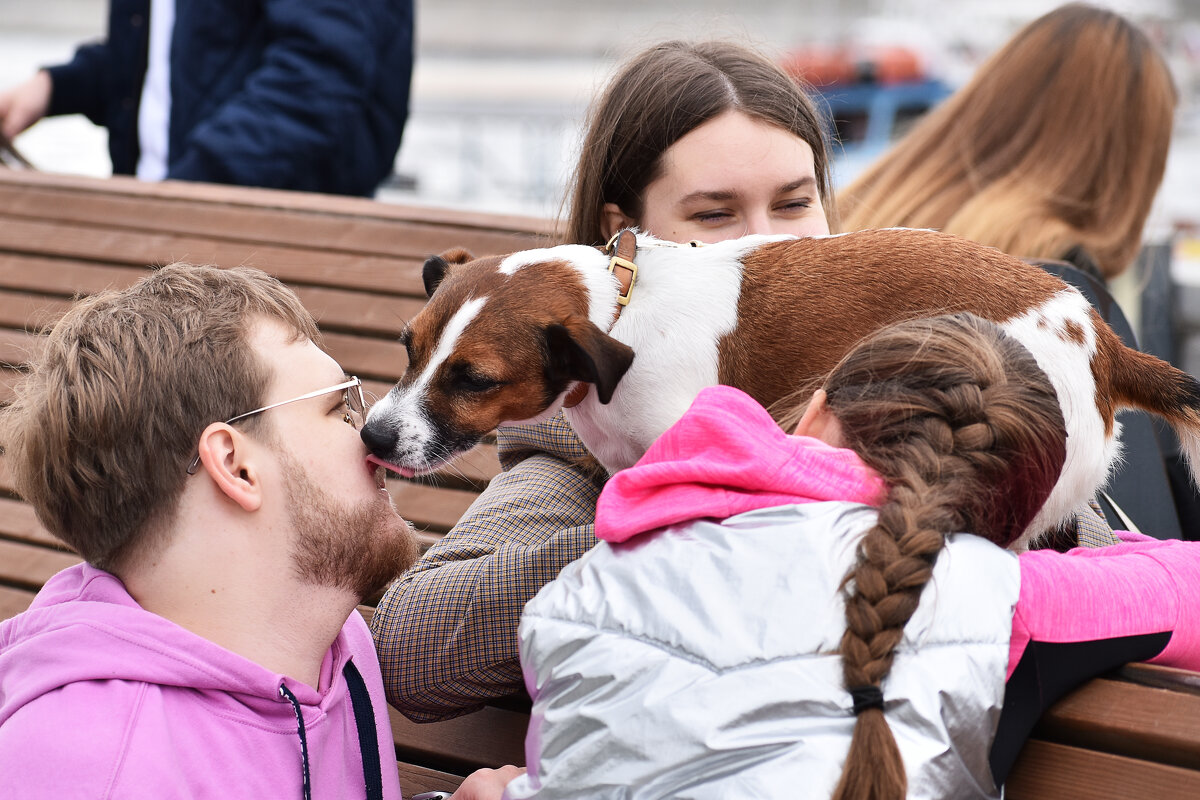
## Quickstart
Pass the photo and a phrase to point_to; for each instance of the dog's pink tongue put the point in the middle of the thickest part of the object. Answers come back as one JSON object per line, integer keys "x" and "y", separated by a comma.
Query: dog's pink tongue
{"x": 401, "y": 471}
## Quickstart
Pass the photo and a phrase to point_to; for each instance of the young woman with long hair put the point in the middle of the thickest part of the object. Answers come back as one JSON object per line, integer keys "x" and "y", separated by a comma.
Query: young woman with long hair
{"x": 1054, "y": 150}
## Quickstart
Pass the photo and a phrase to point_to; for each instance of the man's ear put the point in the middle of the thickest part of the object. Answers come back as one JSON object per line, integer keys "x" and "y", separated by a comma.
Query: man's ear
{"x": 613, "y": 219}
{"x": 228, "y": 461}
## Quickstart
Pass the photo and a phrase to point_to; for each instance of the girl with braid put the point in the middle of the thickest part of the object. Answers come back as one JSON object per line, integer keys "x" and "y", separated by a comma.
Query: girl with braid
{"x": 833, "y": 613}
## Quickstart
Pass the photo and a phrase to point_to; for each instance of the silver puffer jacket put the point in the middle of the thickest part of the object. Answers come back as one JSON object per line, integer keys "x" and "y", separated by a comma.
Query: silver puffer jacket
{"x": 701, "y": 663}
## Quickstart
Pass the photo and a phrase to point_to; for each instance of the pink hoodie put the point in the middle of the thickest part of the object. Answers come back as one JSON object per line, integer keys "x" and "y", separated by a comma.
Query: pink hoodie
{"x": 102, "y": 699}
{"x": 723, "y": 457}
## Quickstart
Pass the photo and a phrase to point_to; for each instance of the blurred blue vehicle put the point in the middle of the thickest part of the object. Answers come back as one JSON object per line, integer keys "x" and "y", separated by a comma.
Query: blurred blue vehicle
{"x": 868, "y": 117}
{"x": 872, "y": 96}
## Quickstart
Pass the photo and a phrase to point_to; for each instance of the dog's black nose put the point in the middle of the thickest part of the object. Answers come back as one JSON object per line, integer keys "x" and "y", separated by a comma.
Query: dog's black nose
{"x": 378, "y": 439}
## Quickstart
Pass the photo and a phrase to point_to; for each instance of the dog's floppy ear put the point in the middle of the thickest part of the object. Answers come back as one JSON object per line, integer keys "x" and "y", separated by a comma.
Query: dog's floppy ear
{"x": 579, "y": 351}
{"x": 436, "y": 266}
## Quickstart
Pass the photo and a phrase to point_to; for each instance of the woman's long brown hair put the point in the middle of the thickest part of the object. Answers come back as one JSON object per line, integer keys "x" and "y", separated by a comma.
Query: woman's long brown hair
{"x": 659, "y": 96}
{"x": 967, "y": 432}
{"x": 1060, "y": 140}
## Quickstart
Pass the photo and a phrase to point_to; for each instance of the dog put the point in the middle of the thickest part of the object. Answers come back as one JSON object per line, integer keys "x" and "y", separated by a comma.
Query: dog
{"x": 512, "y": 339}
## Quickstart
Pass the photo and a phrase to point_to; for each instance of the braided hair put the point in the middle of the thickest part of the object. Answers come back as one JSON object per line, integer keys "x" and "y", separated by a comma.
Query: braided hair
{"x": 967, "y": 432}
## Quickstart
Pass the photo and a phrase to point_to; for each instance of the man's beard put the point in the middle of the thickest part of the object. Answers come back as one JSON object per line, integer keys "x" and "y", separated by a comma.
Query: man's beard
{"x": 359, "y": 548}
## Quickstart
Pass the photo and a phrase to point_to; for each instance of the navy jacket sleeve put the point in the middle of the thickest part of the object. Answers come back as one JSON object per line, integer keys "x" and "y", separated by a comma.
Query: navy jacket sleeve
{"x": 321, "y": 109}
{"x": 79, "y": 86}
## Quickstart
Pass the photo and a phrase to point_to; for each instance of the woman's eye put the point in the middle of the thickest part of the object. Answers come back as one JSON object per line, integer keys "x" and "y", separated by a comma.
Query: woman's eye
{"x": 712, "y": 216}
{"x": 799, "y": 204}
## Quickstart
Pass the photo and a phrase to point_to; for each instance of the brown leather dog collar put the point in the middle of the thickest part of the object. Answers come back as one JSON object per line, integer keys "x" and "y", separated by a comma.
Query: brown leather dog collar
{"x": 623, "y": 247}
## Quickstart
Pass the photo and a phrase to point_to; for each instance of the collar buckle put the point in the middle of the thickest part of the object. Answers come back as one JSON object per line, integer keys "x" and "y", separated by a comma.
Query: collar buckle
{"x": 623, "y": 246}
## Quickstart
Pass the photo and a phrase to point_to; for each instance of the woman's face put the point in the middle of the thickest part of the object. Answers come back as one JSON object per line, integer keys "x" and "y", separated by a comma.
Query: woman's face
{"x": 732, "y": 176}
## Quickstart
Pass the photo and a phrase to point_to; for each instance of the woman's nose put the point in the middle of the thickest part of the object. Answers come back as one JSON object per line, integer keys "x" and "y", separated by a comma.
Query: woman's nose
{"x": 758, "y": 222}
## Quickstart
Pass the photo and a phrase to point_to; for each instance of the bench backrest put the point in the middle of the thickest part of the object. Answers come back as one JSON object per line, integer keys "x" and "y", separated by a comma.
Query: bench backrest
{"x": 356, "y": 265}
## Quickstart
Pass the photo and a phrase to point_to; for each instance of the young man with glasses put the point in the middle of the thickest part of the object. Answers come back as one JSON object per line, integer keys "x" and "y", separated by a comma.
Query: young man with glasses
{"x": 189, "y": 438}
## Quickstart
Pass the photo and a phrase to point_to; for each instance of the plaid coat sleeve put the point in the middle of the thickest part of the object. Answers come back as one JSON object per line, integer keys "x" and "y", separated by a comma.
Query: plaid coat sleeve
{"x": 446, "y": 630}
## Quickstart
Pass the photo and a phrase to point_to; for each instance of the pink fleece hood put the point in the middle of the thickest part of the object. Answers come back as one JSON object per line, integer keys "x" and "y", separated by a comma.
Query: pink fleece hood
{"x": 726, "y": 456}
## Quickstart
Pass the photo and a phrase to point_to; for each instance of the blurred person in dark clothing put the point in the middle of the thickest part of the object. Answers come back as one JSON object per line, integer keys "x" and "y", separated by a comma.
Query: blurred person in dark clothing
{"x": 290, "y": 94}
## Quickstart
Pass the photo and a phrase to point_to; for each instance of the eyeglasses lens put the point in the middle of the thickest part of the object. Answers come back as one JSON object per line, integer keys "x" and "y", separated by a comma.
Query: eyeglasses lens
{"x": 357, "y": 405}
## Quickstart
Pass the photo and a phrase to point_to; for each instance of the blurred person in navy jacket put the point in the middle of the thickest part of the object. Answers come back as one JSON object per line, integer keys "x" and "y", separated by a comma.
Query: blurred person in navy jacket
{"x": 290, "y": 94}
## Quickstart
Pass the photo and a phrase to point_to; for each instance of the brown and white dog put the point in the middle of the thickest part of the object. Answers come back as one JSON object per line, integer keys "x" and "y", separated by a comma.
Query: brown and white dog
{"x": 503, "y": 340}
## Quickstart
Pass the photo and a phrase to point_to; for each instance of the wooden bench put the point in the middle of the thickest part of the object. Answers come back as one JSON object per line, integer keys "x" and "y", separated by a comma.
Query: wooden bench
{"x": 356, "y": 265}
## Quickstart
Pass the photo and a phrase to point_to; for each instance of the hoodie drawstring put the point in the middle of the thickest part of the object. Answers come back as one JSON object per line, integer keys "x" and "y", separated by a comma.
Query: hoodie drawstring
{"x": 283, "y": 690}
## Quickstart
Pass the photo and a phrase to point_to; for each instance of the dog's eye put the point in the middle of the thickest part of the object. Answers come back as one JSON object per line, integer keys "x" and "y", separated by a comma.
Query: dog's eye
{"x": 477, "y": 384}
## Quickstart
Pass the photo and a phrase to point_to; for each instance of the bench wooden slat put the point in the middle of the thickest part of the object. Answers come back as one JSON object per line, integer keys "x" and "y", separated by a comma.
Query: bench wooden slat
{"x": 383, "y": 360}
{"x": 314, "y": 231}
{"x": 17, "y": 347}
{"x": 427, "y": 508}
{"x": 26, "y": 566}
{"x": 292, "y": 264}
{"x": 1047, "y": 771}
{"x": 13, "y": 601}
{"x": 18, "y": 522}
{"x": 1115, "y": 716}
{"x": 377, "y": 361}
{"x": 29, "y": 312}
{"x": 415, "y": 779}
{"x": 122, "y": 201}
{"x": 1177, "y": 680}
{"x": 491, "y": 737}
{"x": 334, "y": 309}
{"x": 66, "y": 277}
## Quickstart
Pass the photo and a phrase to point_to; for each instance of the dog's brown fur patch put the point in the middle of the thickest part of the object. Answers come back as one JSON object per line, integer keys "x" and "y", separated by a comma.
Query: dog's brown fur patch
{"x": 863, "y": 282}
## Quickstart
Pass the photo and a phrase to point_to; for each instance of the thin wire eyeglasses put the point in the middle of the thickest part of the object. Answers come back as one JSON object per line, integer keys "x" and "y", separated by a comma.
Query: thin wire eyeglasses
{"x": 356, "y": 408}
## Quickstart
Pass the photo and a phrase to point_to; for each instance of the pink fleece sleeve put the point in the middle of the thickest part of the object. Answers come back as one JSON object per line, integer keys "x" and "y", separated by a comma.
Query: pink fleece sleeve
{"x": 1140, "y": 586}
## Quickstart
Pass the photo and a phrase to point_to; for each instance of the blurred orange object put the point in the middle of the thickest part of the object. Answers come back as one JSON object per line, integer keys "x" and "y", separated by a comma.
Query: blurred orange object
{"x": 825, "y": 65}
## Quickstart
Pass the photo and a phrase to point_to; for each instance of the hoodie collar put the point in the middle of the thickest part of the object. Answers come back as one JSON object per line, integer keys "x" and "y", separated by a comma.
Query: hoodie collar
{"x": 725, "y": 456}
{"x": 84, "y": 626}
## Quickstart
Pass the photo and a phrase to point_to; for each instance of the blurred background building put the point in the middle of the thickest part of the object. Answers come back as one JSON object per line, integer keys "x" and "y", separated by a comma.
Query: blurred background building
{"x": 500, "y": 89}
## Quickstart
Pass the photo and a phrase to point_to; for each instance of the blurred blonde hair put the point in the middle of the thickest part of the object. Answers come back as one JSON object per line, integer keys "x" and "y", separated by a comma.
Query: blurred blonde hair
{"x": 1060, "y": 140}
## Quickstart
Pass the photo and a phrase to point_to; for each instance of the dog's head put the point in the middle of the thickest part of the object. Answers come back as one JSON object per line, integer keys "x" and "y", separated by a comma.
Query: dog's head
{"x": 501, "y": 340}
